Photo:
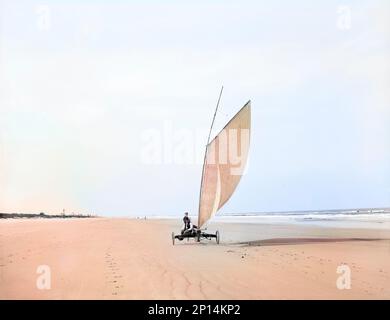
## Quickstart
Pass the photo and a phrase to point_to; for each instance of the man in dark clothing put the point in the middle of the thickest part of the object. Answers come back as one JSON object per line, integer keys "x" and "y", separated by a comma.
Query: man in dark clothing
{"x": 187, "y": 223}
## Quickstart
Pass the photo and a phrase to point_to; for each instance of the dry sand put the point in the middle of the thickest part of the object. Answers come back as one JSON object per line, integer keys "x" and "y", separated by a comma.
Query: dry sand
{"x": 135, "y": 259}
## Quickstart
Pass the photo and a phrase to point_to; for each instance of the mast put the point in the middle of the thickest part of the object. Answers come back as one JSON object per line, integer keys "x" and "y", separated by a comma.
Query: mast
{"x": 205, "y": 153}
{"x": 215, "y": 113}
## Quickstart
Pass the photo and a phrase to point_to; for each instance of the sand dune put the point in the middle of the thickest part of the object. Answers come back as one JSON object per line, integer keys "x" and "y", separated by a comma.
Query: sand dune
{"x": 135, "y": 259}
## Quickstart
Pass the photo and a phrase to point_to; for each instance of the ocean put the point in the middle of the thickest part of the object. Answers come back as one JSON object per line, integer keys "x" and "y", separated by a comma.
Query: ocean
{"x": 366, "y": 218}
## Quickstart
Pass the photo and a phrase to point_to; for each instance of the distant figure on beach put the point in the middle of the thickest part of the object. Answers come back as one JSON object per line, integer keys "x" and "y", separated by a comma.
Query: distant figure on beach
{"x": 187, "y": 223}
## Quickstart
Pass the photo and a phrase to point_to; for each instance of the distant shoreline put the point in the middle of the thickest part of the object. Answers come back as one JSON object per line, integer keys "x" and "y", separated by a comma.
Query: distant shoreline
{"x": 41, "y": 215}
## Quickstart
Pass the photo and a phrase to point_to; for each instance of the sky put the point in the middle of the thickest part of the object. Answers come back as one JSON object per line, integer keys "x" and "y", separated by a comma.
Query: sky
{"x": 105, "y": 106}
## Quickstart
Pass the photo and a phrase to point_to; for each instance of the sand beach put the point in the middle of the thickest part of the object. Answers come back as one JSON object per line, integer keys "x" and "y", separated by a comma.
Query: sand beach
{"x": 118, "y": 258}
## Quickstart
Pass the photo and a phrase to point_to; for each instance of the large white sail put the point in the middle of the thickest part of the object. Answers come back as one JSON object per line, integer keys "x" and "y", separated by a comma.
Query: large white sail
{"x": 225, "y": 161}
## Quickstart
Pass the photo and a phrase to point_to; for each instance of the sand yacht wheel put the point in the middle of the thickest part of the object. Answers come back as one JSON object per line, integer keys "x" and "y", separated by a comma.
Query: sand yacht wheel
{"x": 173, "y": 238}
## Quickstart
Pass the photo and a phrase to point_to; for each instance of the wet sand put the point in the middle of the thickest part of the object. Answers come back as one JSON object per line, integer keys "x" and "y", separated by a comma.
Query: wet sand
{"x": 135, "y": 259}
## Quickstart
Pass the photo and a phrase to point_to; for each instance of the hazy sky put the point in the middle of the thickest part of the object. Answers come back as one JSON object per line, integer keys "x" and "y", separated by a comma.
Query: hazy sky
{"x": 89, "y": 88}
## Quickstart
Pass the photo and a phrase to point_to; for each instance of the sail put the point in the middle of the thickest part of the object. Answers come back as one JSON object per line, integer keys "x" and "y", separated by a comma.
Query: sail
{"x": 225, "y": 160}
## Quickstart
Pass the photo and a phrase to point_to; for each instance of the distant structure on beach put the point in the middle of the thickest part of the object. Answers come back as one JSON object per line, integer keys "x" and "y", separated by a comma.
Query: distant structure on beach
{"x": 43, "y": 215}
